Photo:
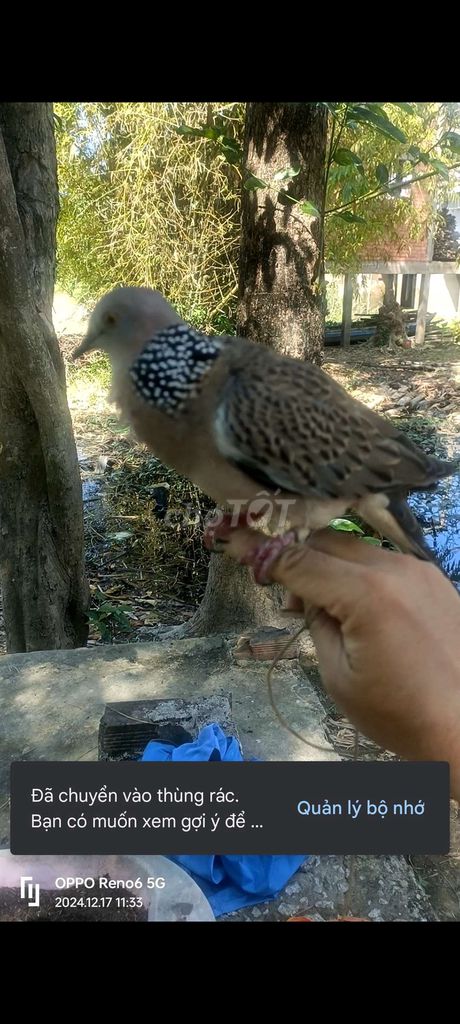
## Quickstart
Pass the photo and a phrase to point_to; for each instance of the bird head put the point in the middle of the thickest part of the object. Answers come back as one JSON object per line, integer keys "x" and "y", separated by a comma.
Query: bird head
{"x": 124, "y": 320}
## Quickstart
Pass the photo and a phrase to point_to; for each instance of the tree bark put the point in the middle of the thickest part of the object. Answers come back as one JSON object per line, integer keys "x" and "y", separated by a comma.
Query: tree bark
{"x": 279, "y": 304}
{"x": 44, "y": 589}
{"x": 390, "y": 330}
{"x": 279, "y": 298}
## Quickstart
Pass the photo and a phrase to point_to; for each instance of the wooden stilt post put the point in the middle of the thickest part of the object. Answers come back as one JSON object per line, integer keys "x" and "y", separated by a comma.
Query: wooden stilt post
{"x": 347, "y": 309}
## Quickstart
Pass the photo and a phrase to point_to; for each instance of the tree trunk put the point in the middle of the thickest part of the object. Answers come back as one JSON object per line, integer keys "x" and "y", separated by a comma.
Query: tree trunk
{"x": 390, "y": 329}
{"x": 279, "y": 304}
{"x": 232, "y": 601}
{"x": 279, "y": 298}
{"x": 44, "y": 590}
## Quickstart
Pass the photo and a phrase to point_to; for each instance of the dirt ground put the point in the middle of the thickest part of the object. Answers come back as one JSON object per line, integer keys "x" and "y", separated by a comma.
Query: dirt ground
{"x": 421, "y": 380}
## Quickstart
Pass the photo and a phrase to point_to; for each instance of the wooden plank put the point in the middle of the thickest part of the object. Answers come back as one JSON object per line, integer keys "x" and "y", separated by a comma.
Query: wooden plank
{"x": 347, "y": 309}
{"x": 409, "y": 267}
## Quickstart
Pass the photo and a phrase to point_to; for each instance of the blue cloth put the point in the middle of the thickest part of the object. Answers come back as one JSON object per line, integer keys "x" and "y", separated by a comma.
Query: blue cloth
{"x": 235, "y": 881}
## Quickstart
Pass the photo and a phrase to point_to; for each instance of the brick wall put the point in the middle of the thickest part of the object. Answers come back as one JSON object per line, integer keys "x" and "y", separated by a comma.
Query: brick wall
{"x": 405, "y": 248}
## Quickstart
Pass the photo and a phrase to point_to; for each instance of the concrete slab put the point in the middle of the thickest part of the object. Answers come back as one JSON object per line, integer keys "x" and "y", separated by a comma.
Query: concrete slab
{"x": 51, "y": 702}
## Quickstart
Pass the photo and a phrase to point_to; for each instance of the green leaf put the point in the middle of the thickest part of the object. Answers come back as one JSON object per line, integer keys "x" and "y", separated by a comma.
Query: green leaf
{"x": 441, "y": 168}
{"x": 414, "y": 153}
{"x": 377, "y": 109}
{"x": 382, "y": 124}
{"x": 453, "y": 140}
{"x": 351, "y": 218}
{"x": 309, "y": 209}
{"x": 345, "y": 156}
{"x": 227, "y": 142}
{"x": 346, "y": 525}
{"x": 253, "y": 183}
{"x": 347, "y": 192}
{"x": 185, "y": 129}
{"x": 405, "y": 107}
{"x": 289, "y": 172}
{"x": 214, "y": 134}
{"x": 233, "y": 156}
{"x": 376, "y": 543}
{"x": 230, "y": 148}
{"x": 338, "y": 172}
{"x": 106, "y": 608}
{"x": 382, "y": 174}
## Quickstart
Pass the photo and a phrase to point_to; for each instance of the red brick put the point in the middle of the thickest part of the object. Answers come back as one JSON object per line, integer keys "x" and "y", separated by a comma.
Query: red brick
{"x": 404, "y": 248}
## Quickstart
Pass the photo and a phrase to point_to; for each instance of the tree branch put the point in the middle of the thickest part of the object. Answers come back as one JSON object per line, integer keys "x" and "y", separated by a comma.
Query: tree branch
{"x": 375, "y": 193}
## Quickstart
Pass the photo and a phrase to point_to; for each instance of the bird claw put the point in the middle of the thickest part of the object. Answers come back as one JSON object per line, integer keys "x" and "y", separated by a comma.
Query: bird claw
{"x": 216, "y": 533}
{"x": 262, "y": 557}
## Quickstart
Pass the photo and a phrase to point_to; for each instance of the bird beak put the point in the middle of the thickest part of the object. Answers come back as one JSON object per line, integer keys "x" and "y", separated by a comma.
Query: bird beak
{"x": 89, "y": 344}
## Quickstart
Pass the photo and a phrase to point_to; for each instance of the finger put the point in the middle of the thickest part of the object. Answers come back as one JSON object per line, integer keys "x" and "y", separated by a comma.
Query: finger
{"x": 320, "y": 580}
{"x": 293, "y": 604}
{"x": 313, "y": 575}
{"x": 242, "y": 541}
{"x": 350, "y": 547}
{"x": 327, "y": 636}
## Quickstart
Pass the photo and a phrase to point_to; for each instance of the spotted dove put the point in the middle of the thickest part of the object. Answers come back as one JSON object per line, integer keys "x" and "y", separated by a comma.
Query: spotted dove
{"x": 238, "y": 419}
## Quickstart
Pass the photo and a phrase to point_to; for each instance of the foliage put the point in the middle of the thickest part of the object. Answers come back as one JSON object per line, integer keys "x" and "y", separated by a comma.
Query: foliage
{"x": 447, "y": 239}
{"x": 150, "y": 192}
{"x": 450, "y": 328}
{"x": 351, "y": 525}
{"x": 140, "y": 207}
{"x": 346, "y": 525}
{"x": 334, "y": 300}
{"x": 375, "y": 152}
{"x": 170, "y": 548}
{"x": 85, "y": 200}
{"x": 110, "y": 618}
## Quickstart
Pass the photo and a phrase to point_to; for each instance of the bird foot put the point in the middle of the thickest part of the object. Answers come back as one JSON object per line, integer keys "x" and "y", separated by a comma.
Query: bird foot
{"x": 217, "y": 531}
{"x": 262, "y": 553}
{"x": 261, "y": 558}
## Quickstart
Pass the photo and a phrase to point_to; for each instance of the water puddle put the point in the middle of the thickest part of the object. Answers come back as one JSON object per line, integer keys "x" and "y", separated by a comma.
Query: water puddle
{"x": 438, "y": 512}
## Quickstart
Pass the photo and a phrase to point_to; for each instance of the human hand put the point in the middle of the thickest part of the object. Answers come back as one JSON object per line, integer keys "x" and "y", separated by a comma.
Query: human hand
{"x": 386, "y": 628}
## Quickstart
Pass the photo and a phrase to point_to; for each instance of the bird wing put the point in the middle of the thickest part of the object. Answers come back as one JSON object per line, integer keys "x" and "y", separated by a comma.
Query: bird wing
{"x": 288, "y": 425}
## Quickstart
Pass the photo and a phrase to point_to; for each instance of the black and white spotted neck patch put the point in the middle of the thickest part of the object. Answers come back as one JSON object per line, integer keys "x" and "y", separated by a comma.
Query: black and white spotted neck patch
{"x": 170, "y": 368}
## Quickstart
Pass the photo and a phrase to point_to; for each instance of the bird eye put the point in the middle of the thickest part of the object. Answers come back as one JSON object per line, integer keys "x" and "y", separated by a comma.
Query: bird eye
{"x": 109, "y": 320}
